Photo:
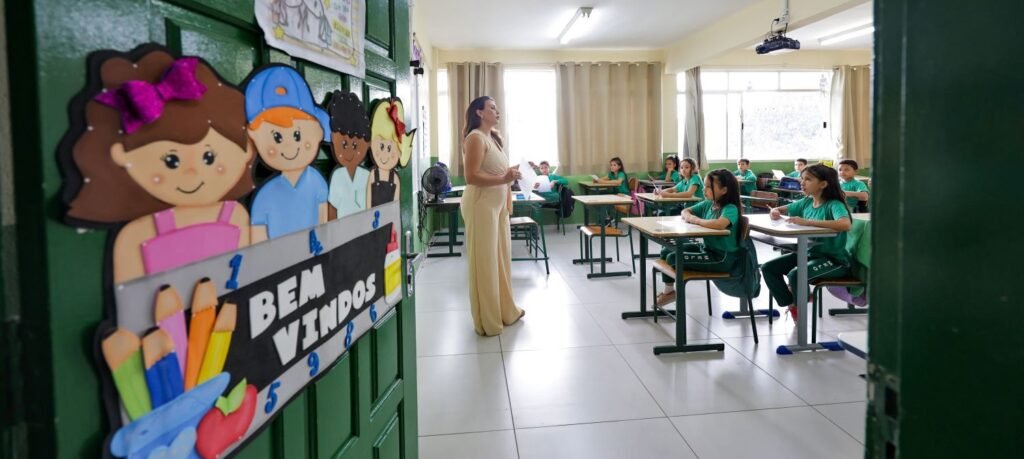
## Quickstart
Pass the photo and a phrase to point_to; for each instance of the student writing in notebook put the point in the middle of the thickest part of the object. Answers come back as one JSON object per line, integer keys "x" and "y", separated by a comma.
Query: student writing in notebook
{"x": 856, "y": 191}
{"x": 744, "y": 173}
{"x": 824, "y": 207}
{"x": 616, "y": 176}
{"x": 690, "y": 183}
{"x": 720, "y": 209}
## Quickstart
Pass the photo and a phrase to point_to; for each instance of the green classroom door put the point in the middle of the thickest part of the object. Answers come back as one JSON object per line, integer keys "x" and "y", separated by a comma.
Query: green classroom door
{"x": 364, "y": 407}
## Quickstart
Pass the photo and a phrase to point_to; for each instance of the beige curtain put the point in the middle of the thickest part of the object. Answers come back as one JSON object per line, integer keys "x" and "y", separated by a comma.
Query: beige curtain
{"x": 851, "y": 113}
{"x": 606, "y": 110}
{"x": 467, "y": 81}
{"x": 693, "y": 140}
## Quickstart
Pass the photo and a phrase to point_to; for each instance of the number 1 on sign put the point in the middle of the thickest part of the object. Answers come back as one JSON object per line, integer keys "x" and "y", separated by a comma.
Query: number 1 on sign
{"x": 236, "y": 265}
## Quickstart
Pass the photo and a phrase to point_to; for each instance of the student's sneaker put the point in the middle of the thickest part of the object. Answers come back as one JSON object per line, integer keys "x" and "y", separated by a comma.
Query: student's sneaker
{"x": 793, "y": 312}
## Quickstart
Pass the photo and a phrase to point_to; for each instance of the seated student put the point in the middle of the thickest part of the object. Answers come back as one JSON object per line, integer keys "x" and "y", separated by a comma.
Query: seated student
{"x": 616, "y": 176}
{"x": 720, "y": 209}
{"x": 823, "y": 207}
{"x": 799, "y": 165}
{"x": 744, "y": 173}
{"x": 671, "y": 172}
{"x": 690, "y": 183}
{"x": 545, "y": 169}
{"x": 856, "y": 191}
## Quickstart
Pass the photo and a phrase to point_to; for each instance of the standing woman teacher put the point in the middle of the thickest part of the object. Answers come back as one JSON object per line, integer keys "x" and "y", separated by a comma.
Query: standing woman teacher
{"x": 486, "y": 205}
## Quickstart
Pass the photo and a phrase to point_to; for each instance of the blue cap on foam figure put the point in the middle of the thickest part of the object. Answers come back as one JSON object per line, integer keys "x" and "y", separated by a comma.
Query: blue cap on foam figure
{"x": 282, "y": 86}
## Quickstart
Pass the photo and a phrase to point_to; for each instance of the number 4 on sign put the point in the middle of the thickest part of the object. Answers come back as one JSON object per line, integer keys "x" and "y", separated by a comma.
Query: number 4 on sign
{"x": 314, "y": 244}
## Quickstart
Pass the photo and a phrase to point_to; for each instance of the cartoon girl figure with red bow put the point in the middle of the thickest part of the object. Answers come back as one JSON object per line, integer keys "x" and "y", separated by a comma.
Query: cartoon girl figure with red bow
{"x": 390, "y": 148}
{"x": 158, "y": 144}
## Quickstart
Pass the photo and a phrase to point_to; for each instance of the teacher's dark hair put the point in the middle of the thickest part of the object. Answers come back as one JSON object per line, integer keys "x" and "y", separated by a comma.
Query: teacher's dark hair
{"x": 473, "y": 120}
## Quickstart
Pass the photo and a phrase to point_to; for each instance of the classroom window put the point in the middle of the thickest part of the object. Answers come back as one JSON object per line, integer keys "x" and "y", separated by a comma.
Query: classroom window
{"x": 762, "y": 115}
{"x": 444, "y": 122}
{"x": 529, "y": 114}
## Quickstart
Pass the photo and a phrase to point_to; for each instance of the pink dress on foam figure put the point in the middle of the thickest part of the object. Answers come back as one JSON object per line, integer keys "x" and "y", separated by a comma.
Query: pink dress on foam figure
{"x": 173, "y": 247}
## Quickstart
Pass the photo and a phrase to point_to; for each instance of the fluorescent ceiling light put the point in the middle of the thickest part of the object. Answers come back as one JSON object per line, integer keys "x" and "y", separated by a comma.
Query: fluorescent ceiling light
{"x": 847, "y": 35}
{"x": 576, "y": 25}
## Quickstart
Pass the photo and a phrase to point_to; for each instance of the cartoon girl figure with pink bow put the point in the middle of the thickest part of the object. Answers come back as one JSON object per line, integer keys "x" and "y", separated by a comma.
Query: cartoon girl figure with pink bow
{"x": 158, "y": 144}
{"x": 390, "y": 148}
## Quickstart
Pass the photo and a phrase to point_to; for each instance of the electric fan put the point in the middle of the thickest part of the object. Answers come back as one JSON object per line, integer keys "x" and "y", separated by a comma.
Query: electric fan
{"x": 435, "y": 182}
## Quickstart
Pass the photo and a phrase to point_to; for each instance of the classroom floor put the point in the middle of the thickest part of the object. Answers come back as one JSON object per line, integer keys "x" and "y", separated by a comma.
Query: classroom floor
{"x": 574, "y": 380}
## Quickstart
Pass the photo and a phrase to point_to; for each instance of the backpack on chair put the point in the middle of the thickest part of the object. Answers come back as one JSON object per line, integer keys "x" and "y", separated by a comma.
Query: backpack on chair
{"x": 566, "y": 201}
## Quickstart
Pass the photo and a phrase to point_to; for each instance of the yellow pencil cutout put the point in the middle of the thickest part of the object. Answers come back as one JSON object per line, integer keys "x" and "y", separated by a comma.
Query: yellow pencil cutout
{"x": 204, "y": 312}
{"x": 220, "y": 341}
{"x": 123, "y": 354}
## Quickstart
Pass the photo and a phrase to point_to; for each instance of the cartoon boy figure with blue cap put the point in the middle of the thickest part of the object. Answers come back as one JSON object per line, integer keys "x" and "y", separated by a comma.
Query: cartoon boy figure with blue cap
{"x": 286, "y": 128}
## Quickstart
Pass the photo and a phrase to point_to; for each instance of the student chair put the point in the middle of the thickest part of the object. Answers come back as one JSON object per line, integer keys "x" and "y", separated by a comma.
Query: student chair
{"x": 817, "y": 300}
{"x": 668, "y": 270}
{"x": 556, "y": 207}
{"x": 527, "y": 229}
{"x": 765, "y": 206}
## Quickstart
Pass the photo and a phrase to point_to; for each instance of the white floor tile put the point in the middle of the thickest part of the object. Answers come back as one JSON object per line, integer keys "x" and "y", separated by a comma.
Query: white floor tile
{"x": 462, "y": 393}
{"x": 538, "y": 290}
{"x": 648, "y": 438}
{"x": 706, "y": 382}
{"x": 450, "y": 333}
{"x": 786, "y": 433}
{"x": 624, "y": 290}
{"x": 848, "y": 416}
{"x": 442, "y": 296}
{"x": 570, "y": 386}
{"x": 640, "y": 330}
{"x": 553, "y": 326}
{"x": 493, "y": 445}
{"x": 818, "y": 377}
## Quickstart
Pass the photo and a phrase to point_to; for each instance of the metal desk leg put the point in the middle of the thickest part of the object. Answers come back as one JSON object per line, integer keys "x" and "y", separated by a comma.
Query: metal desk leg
{"x": 643, "y": 312}
{"x": 680, "y": 315}
{"x": 744, "y": 311}
{"x": 801, "y": 305}
{"x": 453, "y": 226}
{"x": 604, "y": 260}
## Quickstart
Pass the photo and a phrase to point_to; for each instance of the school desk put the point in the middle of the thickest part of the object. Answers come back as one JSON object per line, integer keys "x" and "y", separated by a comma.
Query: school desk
{"x": 602, "y": 202}
{"x": 650, "y": 185}
{"x": 763, "y": 223}
{"x": 457, "y": 190}
{"x": 664, "y": 231}
{"x": 855, "y": 342}
{"x": 660, "y": 202}
{"x": 536, "y": 244}
{"x": 451, "y": 207}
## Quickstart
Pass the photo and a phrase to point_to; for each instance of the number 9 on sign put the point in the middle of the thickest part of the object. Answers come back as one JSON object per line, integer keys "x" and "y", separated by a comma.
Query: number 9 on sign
{"x": 314, "y": 364}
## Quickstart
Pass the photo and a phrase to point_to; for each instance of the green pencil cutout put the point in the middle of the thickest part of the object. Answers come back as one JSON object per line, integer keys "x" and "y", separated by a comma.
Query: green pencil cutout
{"x": 123, "y": 353}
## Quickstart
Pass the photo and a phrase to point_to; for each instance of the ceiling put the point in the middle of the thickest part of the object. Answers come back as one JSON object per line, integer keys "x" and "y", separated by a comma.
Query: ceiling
{"x": 535, "y": 24}
{"x": 855, "y": 17}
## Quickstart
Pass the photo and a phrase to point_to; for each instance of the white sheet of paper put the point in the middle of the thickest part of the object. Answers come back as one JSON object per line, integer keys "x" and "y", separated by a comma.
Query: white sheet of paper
{"x": 543, "y": 184}
{"x": 596, "y": 178}
{"x": 529, "y": 176}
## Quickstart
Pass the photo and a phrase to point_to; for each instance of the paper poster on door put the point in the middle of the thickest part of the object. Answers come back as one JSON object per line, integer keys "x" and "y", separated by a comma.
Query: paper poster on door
{"x": 224, "y": 298}
{"x": 328, "y": 32}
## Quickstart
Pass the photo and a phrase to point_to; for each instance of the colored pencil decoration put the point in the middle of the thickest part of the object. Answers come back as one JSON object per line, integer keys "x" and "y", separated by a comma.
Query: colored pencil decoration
{"x": 204, "y": 312}
{"x": 163, "y": 376}
{"x": 170, "y": 316}
{"x": 220, "y": 341}
{"x": 124, "y": 357}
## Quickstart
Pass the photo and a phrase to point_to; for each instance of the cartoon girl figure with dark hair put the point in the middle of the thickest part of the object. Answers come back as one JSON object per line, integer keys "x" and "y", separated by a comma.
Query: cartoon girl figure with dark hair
{"x": 164, "y": 151}
{"x": 350, "y": 138}
{"x": 391, "y": 148}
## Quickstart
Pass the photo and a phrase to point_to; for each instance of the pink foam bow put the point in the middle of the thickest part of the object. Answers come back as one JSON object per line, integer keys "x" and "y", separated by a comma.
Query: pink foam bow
{"x": 141, "y": 102}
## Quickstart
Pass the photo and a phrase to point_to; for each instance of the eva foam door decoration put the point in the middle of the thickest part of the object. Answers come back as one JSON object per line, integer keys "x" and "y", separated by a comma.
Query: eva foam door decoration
{"x": 157, "y": 144}
{"x": 390, "y": 149}
{"x": 287, "y": 128}
{"x": 160, "y": 151}
{"x": 350, "y": 140}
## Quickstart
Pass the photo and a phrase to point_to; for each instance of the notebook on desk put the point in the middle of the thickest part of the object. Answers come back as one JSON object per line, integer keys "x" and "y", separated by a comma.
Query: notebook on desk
{"x": 596, "y": 178}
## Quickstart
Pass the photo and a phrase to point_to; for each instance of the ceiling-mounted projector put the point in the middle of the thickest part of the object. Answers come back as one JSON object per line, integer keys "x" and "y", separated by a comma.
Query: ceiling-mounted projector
{"x": 777, "y": 44}
{"x": 776, "y": 41}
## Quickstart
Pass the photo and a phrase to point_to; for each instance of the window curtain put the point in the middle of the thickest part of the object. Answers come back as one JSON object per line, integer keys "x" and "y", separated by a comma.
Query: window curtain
{"x": 605, "y": 110}
{"x": 693, "y": 140}
{"x": 851, "y": 113}
{"x": 467, "y": 81}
